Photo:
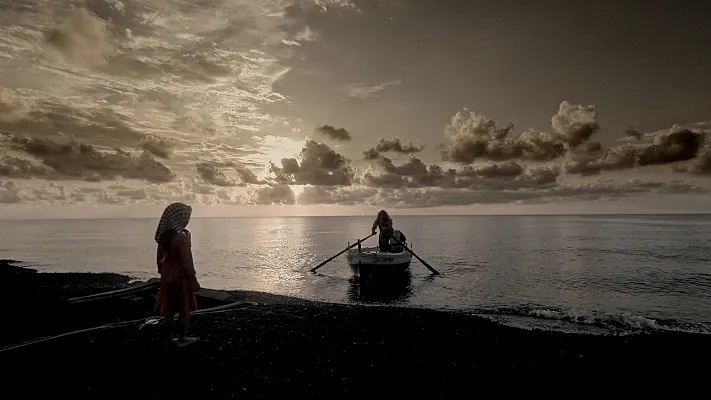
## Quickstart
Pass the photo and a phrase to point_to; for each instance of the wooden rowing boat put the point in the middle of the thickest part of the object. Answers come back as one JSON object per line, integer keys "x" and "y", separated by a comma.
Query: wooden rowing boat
{"x": 371, "y": 260}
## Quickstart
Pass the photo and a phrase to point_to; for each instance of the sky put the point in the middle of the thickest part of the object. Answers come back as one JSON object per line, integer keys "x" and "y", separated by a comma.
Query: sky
{"x": 115, "y": 108}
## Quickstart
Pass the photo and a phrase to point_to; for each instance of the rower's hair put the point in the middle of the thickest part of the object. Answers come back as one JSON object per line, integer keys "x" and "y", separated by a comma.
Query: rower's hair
{"x": 383, "y": 213}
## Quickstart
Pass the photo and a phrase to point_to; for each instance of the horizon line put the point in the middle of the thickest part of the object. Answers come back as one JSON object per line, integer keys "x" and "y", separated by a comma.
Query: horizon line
{"x": 367, "y": 216}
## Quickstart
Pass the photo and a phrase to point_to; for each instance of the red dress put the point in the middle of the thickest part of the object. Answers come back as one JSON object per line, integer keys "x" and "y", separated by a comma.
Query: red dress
{"x": 176, "y": 273}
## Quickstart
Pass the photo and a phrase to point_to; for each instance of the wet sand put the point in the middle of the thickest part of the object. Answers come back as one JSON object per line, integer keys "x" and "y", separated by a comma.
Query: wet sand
{"x": 282, "y": 347}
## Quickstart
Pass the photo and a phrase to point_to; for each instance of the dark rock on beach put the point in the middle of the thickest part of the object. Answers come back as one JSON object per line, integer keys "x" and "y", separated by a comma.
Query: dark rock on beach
{"x": 269, "y": 346}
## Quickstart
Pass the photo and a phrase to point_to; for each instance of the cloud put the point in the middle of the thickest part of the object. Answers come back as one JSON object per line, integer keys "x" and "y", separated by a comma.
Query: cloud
{"x": 665, "y": 147}
{"x": 195, "y": 123}
{"x": 575, "y": 124}
{"x": 599, "y": 160}
{"x": 272, "y": 195}
{"x": 211, "y": 173}
{"x": 371, "y": 154}
{"x": 361, "y": 91}
{"x": 269, "y": 149}
{"x": 72, "y": 160}
{"x": 633, "y": 132}
{"x": 391, "y": 145}
{"x": 701, "y": 165}
{"x": 8, "y": 193}
{"x": 12, "y": 106}
{"x": 328, "y": 4}
{"x": 306, "y": 35}
{"x": 82, "y": 38}
{"x": 98, "y": 125}
{"x": 176, "y": 101}
{"x": 320, "y": 165}
{"x": 110, "y": 73}
{"x": 337, "y": 134}
{"x": 424, "y": 197}
{"x": 679, "y": 145}
{"x": 314, "y": 195}
{"x": 290, "y": 42}
{"x": 158, "y": 146}
{"x": 491, "y": 176}
{"x": 471, "y": 136}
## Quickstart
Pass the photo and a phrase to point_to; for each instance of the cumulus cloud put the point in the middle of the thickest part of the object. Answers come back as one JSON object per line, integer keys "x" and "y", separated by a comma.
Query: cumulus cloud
{"x": 320, "y": 165}
{"x": 666, "y": 147}
{"x": 333, "y": 133}
{"x": 211, "y": 173}
{"x": 679, "y": 145}
{"x": 575, "y": 124}
{"x": 158, "y": 146}
{"x": 491, "y": 176}
{"x": 391, "y": 145}
{"x": 598, "y": 160}
{"x": 633, "y": 132}
{"x": 471, "y": 136}
{"x": 394, "y": 145}
{"x": 701, "y": 165}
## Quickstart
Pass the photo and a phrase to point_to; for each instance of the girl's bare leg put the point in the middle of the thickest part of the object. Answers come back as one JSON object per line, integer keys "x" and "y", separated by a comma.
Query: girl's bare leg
{"x": 183, "y": 323}
{"x": 168, "y": 329}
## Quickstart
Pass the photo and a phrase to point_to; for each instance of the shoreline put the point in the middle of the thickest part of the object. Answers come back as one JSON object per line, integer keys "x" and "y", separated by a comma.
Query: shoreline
{"x": 543, "y": 318}
{"x": 274, "y": 344}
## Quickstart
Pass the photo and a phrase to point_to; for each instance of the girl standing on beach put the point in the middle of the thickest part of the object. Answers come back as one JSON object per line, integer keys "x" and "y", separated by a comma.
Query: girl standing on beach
{"x": 178, "y": 282}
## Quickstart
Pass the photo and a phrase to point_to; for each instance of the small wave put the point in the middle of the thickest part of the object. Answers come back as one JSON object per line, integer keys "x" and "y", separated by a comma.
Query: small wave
{"x": 578, "y": 320}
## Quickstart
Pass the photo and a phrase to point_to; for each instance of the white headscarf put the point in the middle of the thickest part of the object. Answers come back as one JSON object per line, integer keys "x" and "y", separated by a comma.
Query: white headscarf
{"x": 175, "y": 216}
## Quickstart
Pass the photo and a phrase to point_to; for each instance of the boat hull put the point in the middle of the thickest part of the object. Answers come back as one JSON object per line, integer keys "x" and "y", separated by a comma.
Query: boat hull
{"x": 370, "y": 261}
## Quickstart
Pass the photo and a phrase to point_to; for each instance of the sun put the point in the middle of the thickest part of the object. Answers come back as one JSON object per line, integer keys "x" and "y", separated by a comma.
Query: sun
{"x": 272, "y": 149}
{"x": 276, "y": 148}
{"x": 297, "y": 189}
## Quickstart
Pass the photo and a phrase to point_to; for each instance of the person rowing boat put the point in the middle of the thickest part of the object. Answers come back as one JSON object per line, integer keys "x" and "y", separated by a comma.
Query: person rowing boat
{"x": 385, "y": 223}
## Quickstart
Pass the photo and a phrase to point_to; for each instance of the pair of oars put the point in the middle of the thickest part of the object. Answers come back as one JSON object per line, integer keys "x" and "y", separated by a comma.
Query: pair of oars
{"x": 362, "y": 240}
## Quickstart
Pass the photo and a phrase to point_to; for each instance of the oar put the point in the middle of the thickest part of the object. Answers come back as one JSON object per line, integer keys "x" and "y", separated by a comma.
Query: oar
{"x": 346, "y": 249}
{"x": 416, "y": 256}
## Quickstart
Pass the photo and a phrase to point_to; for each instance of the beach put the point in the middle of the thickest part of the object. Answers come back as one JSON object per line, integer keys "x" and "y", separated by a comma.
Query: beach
{"x": 268, "y": 346}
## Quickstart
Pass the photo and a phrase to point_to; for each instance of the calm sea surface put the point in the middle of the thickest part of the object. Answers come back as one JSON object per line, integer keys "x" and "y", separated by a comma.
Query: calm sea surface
{"x": 575, "y": 273}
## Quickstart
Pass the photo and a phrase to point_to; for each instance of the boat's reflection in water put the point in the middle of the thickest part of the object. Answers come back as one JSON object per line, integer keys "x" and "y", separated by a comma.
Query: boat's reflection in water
{"x": 387, "y": 288}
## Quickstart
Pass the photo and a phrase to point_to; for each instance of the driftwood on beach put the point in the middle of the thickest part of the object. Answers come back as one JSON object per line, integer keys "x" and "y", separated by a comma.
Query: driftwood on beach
{"x": 151, "y": 284}
{"x": 145, "y": 287}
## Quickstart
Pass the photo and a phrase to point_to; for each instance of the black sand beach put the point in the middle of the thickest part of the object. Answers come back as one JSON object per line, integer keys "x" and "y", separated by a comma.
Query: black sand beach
{"x": 273, "y": 347}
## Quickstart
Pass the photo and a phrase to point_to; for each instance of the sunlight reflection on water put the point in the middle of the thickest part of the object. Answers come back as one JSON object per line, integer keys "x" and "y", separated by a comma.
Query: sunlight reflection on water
{"x": 655, "y": 266}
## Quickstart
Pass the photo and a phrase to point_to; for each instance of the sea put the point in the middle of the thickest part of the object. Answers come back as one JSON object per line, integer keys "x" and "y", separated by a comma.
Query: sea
{"x": 597, "y": 274}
